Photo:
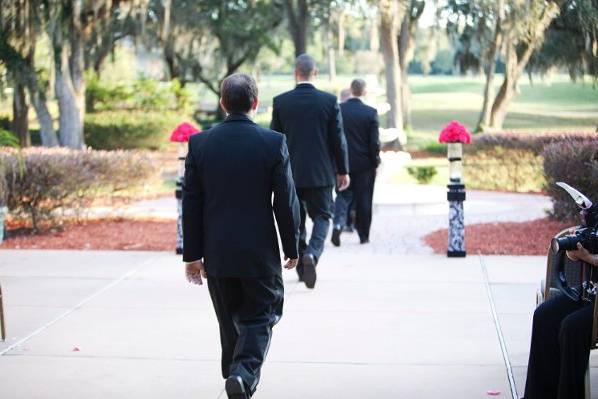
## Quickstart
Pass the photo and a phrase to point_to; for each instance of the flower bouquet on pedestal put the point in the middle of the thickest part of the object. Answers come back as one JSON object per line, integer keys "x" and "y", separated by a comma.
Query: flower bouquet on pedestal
{"x": 455, "y": 135}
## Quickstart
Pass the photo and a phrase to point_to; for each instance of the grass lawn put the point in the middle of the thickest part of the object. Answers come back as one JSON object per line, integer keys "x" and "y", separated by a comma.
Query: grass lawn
{"x": 555, "y": 105}
{"x": 558, "y": 104}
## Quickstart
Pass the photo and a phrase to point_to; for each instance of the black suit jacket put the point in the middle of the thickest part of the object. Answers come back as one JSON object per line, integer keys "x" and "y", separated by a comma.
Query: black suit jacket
{"x": 360, "y": 123}
{"x": 231, "y": 172}
{"x": 312, "y": 122}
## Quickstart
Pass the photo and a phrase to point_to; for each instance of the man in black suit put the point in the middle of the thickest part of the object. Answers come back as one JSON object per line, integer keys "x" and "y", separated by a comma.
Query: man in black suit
{"x": 360, "y": 122}
{"x": 229, "y": 234}
{"x": 312, "y": 123}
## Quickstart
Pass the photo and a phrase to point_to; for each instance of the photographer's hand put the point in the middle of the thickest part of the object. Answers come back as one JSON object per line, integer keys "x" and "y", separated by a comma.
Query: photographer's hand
{"x": 583, "y": 254}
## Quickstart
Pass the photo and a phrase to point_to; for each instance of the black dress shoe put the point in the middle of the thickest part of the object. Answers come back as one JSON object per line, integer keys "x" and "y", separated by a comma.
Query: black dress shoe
{"x": 336, "y": 237}
{"x": 299, "y": 269}
{"x": 235, "y": 389}
{"x": 309, "y": 270}
{"x": 364, "y": 240}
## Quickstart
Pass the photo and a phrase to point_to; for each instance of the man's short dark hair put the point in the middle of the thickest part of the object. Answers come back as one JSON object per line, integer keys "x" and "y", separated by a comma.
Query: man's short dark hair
{"x": 358, "y": 87}
{"x": 238, "y": 92}
{"x": 305, "y": 65}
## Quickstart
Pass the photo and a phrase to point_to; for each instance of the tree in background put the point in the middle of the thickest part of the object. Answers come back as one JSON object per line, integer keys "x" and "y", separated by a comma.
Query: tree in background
{"x": 204, "y": 41}
{"x": 406, "y": 47}
{"x": 177, "y": 27}
{"x": 490, "y": 66}
{"x": 305, "y": 14}
{"x": 20, "y": 25}
{"x": 391, "y": 13}
{"x": 525, "y": 26}
{"x": 515, "y": 29}
{"x": 571, "y": 42}
{"x": 120, "y": 19}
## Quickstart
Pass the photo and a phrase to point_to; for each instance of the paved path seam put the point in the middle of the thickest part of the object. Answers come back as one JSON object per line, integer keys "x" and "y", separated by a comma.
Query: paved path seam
{"x": 499, "y": 333}
{"x": 75, "y": 308}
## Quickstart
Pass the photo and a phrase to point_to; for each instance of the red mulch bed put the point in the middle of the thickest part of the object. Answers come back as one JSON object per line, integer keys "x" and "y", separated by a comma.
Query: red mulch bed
{"x": 508, "y": 238}
{"x": 113, "y": 234}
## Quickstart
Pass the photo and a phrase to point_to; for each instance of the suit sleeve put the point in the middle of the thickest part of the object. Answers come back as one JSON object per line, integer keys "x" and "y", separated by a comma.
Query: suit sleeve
{"x": 275, "y": 122}
{"x": 193, "y": 203}
{"x": 338, "y": 141}
{"x": 375, "y": 140}
{"x": 286, "y": 204}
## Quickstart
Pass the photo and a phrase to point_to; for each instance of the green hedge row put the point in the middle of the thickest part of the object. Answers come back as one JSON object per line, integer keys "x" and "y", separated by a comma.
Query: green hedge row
{"x": 535, "y": 162}
{"x": 110, "y": 130}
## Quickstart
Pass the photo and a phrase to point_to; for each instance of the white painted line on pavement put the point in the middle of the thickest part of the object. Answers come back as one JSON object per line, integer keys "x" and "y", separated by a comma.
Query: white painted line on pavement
{"x": 501, "y": 338}
{"x": 74, "y": 308}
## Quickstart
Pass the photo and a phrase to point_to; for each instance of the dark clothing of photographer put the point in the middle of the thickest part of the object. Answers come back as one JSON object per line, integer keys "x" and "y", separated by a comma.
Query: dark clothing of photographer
{"x": 560, "y": 349}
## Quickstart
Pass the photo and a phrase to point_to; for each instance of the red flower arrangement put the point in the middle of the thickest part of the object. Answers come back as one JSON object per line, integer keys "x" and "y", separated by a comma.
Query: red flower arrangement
{"x": 455, "y": 132}
{"x": 182, "y": 132}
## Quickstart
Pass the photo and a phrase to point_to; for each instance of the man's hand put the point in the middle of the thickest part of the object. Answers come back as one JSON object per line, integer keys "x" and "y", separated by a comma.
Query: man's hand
{"x": 342, "y": 182}
{"x": 291, "y": 263}
{"x": 581, "y": 254}
{"x": 195, "y": 271}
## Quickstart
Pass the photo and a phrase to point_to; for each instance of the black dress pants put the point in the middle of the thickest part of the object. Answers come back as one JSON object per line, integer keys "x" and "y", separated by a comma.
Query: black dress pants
{"x": 247, "y": 309}
{"x": 362, "y": 185}
{"x": 560, "y": 349}
{"x": 315, "y": 202}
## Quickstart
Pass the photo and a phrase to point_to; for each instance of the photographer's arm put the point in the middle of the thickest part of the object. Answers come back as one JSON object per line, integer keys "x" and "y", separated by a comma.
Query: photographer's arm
{"x": 584, "y": 255}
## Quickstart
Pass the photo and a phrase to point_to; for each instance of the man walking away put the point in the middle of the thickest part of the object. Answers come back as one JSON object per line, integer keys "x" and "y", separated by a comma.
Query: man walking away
{"x": 312, "y": 123}
{"x": 360, "y": 123}
{"x": 229, "y": 234}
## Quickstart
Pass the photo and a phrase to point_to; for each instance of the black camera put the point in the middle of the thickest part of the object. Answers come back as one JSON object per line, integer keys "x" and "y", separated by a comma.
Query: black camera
{"x": 587, "y": 233}
{"x": 588, "y": 237}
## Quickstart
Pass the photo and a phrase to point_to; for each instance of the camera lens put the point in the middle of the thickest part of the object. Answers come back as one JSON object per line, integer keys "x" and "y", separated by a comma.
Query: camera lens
{"x": 567, "y": 243}
{"x": 554, "y": 245}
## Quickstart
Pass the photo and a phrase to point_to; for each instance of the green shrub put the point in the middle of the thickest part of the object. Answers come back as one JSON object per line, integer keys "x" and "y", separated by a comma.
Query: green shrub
{"x": 7, "y": 139}
{"x": 148, "y": 94}
{"x": 512, "y": 161}
{"x": 111, "y": 130}
{"x": 181, "y": 95}
{"x": 100, "y": 96}
{"x": 505, "y": 169}
{"x": 575, "y": 163}
{"x": 42, "y": 182}
{"x": 434, "y": 147}
{"x": 532, "y": 142}
{"x": 423, "y": 174}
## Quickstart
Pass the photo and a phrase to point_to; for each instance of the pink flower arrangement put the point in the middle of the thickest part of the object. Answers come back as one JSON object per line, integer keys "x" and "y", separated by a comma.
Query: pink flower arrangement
{"x": 182, "y": 132}
{"x": 455, "y": 132}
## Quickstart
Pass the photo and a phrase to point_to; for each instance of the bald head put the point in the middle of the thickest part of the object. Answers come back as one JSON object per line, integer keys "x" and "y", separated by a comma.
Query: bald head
{"x": 305, "y": 67}
{"x": 238, "y": 93}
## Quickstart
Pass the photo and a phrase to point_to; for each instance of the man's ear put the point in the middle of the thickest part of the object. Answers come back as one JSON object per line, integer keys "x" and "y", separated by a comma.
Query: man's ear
{"x": 222, "y": 106}
{"x": 315, "y": 72}
{"x": 255, "y": 104}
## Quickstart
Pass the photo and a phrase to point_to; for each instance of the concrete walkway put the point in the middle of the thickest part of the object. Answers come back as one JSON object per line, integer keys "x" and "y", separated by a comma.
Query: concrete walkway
{"x": 127, "y": 325}
{"x": 403, "y": 214}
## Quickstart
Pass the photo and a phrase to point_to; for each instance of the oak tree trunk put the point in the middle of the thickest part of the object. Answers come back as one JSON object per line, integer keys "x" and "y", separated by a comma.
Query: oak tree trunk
{"x": 389, "y": 18}
{"x": 69, "y": 105}
{"x": 44, "y": 118}
{"x": 331, "y": 54}
{"x": 514, "y": 69}
{"x": 406, "y": 46}
{"x": 484, "y": 119}
{"x": 298, "y": 19}
{"x": 20, "y": 115}
{"x": 519, "y": 53}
